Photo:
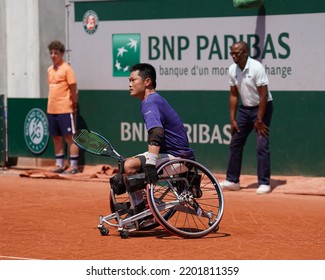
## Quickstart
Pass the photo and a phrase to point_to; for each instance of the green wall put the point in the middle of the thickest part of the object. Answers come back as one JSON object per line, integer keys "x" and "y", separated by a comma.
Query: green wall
{"x": 161, "y": 9}
{"x": 2, "y": 132}
{"x": 297, "y": 130}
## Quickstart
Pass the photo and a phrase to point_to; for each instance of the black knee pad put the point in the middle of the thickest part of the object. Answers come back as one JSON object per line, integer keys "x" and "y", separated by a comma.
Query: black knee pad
{"x": 135, "y": 182}
{"x": 117, "y": 184}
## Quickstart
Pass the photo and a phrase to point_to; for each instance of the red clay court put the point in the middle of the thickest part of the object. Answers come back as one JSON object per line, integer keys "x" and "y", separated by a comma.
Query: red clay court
{"x": 48, "y": 218}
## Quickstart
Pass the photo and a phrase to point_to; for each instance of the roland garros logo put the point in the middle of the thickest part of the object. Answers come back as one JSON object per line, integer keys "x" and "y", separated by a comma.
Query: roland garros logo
{"x": 90, "y": 22}
{"x": 36, "y": 131}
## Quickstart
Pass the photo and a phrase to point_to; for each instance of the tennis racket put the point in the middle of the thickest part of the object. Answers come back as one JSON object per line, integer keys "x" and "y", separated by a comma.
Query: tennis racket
{"x": 95, "y": 143}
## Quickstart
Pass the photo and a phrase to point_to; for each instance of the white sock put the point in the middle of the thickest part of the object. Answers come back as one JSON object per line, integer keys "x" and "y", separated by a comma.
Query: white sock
{"x": 59, "y": 160}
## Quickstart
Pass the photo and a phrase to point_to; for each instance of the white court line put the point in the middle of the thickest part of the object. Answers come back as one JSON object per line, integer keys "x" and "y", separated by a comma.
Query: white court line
{"x": 16, "y": 258}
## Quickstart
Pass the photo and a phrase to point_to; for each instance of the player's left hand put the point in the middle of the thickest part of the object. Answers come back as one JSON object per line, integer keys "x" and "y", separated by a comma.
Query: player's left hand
{"x": 150, "y": 172}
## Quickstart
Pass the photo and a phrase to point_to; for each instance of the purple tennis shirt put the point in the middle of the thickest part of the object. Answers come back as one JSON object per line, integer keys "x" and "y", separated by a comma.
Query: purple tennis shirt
{"x": 157, "y": 112}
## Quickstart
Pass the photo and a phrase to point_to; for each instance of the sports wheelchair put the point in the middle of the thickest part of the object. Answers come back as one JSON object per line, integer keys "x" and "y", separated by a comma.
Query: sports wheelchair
{"x": 187, "y": 201}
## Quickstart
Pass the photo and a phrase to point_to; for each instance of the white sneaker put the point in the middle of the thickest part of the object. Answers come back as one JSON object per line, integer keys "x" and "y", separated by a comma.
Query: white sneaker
{"x": 263, "y": 189}
{"x": 230, "y": 186}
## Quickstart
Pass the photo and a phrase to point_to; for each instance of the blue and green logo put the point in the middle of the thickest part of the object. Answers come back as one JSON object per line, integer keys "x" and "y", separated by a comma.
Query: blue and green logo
{"x": 126, "y": 52}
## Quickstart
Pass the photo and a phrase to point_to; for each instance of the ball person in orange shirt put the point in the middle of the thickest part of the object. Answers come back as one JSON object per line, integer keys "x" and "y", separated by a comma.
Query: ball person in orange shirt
{"x": 61, "y": 107}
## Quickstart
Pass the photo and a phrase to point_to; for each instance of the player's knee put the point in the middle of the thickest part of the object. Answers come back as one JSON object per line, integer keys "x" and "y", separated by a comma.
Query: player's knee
{"x": 127, "y": 167}
{"x": 132, "y": 166}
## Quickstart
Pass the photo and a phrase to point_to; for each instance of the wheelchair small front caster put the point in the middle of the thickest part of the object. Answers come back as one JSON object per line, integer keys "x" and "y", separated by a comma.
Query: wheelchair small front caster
{"x": 124, "y": 234}
{"x": 104, "y": 231}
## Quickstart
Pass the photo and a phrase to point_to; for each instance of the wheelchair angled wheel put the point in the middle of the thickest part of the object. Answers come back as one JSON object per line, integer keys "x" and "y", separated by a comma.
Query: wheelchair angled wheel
{"x": 187, "y": 199}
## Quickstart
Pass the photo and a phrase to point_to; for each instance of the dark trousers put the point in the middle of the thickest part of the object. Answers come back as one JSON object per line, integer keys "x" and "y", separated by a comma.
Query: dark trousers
{"x": 246, "y": 117}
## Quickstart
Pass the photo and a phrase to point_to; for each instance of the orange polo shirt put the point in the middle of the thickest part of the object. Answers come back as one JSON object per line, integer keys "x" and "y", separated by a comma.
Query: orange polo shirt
{"x": 59, "y": 79}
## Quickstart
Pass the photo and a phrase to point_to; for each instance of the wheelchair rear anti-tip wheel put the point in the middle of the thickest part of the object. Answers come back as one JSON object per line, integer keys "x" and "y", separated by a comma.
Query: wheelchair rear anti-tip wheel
{"x": 187, "y": 199}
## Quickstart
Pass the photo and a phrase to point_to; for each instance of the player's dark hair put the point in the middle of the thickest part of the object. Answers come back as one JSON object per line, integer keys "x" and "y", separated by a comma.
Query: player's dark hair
{"x": 146, "y": 71}
{"x": 56, "y": 45}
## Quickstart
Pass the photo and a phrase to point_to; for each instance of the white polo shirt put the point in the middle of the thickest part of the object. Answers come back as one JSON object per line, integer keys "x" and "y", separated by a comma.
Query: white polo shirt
{"x": 248, "y": 80}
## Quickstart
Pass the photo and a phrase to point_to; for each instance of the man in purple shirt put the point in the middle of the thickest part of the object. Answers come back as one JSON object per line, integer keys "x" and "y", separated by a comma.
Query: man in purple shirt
{"x": 159, "y": 116}
{"x": 167, "y": 136}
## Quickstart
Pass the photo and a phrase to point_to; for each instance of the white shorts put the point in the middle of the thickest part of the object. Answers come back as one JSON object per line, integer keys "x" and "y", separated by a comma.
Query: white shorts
{"x": 172, "y": 169}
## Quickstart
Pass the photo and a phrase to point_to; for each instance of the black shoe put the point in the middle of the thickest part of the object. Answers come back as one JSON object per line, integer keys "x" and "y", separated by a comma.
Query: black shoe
{"x": 71, "y": 171}
{"x": 130, "y": 226}
{"x": 137, "y": 209}
{"x": 58, "y": 169}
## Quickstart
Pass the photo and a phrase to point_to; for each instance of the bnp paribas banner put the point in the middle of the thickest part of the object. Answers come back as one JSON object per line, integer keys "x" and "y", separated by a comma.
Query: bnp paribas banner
{"x": 189, "y": 44}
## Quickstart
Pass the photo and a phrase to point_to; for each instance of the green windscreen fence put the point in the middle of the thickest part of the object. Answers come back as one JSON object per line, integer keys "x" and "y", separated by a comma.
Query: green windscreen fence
{"x": 2, "y": 132}
{"x": 246, "y": 4}
{"x": 297, "y": 138}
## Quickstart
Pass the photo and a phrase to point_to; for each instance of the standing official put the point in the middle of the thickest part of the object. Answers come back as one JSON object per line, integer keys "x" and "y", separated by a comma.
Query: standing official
{"x": 248, "y": 80}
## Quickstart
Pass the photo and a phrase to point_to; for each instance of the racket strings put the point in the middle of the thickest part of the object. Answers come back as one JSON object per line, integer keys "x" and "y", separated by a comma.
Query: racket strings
{"x": 93, "y": 142}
